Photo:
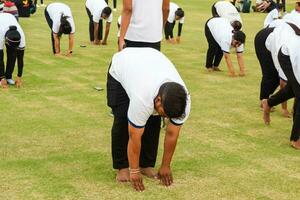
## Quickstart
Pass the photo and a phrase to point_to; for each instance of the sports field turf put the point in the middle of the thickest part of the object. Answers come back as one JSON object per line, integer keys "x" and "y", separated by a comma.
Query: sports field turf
{"x": 55, "y": 130}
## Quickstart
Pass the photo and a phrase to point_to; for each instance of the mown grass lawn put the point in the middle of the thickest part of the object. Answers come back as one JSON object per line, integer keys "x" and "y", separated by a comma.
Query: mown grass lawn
{"x": 55, "y": 130}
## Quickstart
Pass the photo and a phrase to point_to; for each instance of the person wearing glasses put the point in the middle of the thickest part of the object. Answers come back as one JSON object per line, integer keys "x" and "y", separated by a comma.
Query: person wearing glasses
{"x": 12, "y": 36}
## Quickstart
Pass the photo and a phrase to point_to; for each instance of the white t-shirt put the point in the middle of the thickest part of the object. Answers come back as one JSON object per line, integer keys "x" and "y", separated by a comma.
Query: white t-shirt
{"x": 221, "y": 30}
{"x": 141, "y": 72}
{"x": 96, "y": 7}
{"x": 146, "y": 23}
{"x": 273, "y": 15}
{"x": 276, "y": 23}
{"x": 281, "y": 35}
{"x": 293, "y": 17}
{"x": 171, "y": 17}
{"x": 291, "y": 48}
{"x": 55, "y": 11}
{"x": 226, "y": 10}
{"x": 7, "y": 20}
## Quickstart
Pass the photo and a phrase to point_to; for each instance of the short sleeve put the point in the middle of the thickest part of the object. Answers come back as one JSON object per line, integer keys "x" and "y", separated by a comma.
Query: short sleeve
{"x": 110, "y": 18}
{"x": 181, "y": 21}
{"x": 55, "y": 26}
{"x": 225, "y": 46}
{"x": 181, "y": 120}
{"x": 240, "y": 49}
{"x": 138, "y": 113}
{"x": 96, "y": 15}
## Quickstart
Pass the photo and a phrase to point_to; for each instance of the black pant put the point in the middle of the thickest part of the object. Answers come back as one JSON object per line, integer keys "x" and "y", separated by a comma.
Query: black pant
{"x": 169, "y": 30}
{"x": 12, "y": 54}
{"x": 292, "y": 89}
{"x": 214, "y": 52}
{"x": 154, "y": 45}
{"x": 270, "y": 78}
{"x": 35, "y": 2}
{"x": 50, "y": 24}
{"x": 118, "y": 100}
{"x": 91, "y": 27}
{"x": 214, "y": 11}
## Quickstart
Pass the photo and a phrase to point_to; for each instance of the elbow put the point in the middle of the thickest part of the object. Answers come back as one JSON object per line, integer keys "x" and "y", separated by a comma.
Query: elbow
{"x": 226, "y": 55}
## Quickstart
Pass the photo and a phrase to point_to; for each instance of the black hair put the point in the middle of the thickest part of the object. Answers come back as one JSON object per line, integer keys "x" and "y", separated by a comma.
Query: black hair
{"x": 173, "y": 99}
{"x": 237, "y": 25}
{"x": 298, "y": 3}
{"x": 65, "y": 26}
{"x": 106, "y": 11}
{"x": 239, "y": 36}
{"x": 13, "y": 37}
{"x": 280, "y": 6}
{"x": 179, "y": 12}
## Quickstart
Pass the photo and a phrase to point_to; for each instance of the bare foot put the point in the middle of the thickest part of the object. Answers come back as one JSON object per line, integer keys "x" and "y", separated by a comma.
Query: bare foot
{"x": 296, "y": 144}
{"x": 241, "y": 74}
{"x": 232, "y": 74}
{"x": 123, "y": 175}
{"x": 285, "y": 113}
{"x": 266, "y": 110}
{"x": 149, "y": 172}
{"x": 217, "y": 69}
{"x": 210, "y": 69}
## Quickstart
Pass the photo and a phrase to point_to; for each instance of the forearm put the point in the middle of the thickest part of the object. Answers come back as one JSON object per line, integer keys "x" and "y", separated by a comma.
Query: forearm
{"x": 228, "y": 63}
{"x": 240, "y": 59}
{"x": 170, "y": 142}
{"x": 133, "y": 151}
{"x": 126, "y": 16}
{"x": 96, "y": 30}
{"x": 20, "y": 58}
{"x": 71, "y": 42}
{"x": 56, "y": 43}
{"x": 2, "y": 65}
{"x": 180, "y": 25}
{"x": 107, "y": 28}
{"x": 165, "y": 10}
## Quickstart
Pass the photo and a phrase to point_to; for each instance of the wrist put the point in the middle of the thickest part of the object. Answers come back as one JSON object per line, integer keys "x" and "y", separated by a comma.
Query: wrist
{"x": 134, "y": 171}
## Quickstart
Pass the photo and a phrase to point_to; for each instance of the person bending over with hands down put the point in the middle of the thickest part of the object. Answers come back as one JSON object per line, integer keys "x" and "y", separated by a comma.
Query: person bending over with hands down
{"x": 221, "y": 35}
{"x": 137, "y": 110}
{"x": 12, "y": 36}
{"x": 60, "y": 20}
{"x": 175, "y": 14}
{"x": 98, "y": 10}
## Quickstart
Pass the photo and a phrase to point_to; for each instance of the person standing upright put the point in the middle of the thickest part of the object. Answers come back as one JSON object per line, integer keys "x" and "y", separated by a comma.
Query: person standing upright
{"x": 142, "y": 23}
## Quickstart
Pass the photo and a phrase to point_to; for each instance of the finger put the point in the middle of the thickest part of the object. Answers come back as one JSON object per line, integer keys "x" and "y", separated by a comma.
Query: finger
{"x": 140, "y": 186}
{"x": 168, "y": 180}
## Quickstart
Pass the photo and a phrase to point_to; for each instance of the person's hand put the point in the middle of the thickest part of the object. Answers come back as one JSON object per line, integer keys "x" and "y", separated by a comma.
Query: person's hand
{"x": 122, "y": 44}
{"x": 4, "y": 83}
{"x": 58, "y": 54}
{"x": 69, "y": 53}
{"x": 165, "y": 176}
{"x": 104, "y": 42}
{"x": 178, "y": 40}
{"x": 96, "y": 42}
{"x": 137, "y": 181}
{"x": 18, "y": 82}
{"x": 173, "y": 41}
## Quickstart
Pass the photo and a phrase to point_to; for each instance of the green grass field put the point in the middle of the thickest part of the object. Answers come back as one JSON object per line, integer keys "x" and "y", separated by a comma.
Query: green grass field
{"x": 55, "y": 130}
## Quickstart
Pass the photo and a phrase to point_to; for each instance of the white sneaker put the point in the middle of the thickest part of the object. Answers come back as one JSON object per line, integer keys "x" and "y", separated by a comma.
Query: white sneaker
{"x": 10, "y": 81}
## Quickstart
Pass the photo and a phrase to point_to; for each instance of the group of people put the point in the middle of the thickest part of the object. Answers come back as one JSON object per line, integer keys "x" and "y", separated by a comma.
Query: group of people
{"x": 138, "y": 109}
{"x": 277, "y": 49}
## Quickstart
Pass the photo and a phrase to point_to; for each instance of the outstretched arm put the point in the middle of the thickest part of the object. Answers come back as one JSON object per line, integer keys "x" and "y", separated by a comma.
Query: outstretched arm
{"x": 56, "y": 44}
{"x": 229, "y": 64}
{"x": 107, "y": 28}
{"x": 165, "y": 10}
{"x": 71, "y": 44}
{"x": 133, "y": 151}
{"x": 96, "y": 30}
{"x": 2, "y": 74}
{"x": 240, "y": 60}
{"x": 164, "y": 173}
{"x": 20, "y": 58}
